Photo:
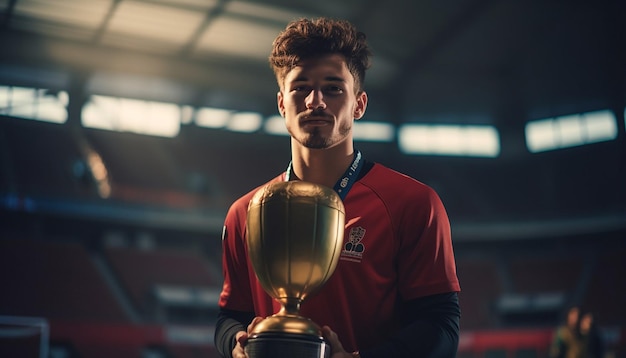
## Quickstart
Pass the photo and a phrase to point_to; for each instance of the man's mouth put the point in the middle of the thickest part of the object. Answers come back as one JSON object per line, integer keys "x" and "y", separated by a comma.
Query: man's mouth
{"x": 316, "y": 119}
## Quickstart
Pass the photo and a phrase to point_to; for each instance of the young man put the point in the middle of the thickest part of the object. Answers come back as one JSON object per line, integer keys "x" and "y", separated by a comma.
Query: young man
{"x": 394, "y": 291}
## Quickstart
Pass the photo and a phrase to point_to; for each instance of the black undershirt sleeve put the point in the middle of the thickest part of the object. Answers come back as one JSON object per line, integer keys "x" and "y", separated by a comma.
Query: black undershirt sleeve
{"x": 228, "y": 323}
{"x": 432, "y": 329}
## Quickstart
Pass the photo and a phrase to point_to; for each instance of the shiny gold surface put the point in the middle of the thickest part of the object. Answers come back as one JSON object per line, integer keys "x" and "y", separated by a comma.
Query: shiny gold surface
{"x": 294, "y": 237}
{"x": 287, "y": 324}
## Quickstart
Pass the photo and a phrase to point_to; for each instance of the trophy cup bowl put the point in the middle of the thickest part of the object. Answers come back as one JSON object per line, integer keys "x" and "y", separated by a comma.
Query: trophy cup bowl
{"x": 294, "y": 235}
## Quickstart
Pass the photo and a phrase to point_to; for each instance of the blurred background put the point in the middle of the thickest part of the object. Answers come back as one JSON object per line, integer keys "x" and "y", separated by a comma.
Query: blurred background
{"x": 127, "y": 127}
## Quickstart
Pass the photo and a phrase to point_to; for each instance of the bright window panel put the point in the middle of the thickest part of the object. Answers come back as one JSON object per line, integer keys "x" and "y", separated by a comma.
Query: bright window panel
{"x": 245, "y": 122}
{"x": 22, "y": 102}
{"x": 275, "y": 125}
{"x": 373, "y": 131}
{"x": 451, "y": 140}
{"x": 186, "y": 115}
{"x": 53, "y": 108}
{"x": 483, "y": 141}
{"x": 570, "y": 131}
{"x": 33, "y": 103}
{"x": 130, "y": 115}
{"x": 540, "y": 135}
{"x": 213, "y": 117}
{"x": 600, "y": 126}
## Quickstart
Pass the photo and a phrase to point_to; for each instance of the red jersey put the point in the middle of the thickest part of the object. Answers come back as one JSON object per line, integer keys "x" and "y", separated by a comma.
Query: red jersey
{"x": 397, "y": 247}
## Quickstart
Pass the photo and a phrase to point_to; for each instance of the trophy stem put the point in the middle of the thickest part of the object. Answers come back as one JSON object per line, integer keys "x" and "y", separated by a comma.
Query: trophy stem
{"x": 290, "y": 306}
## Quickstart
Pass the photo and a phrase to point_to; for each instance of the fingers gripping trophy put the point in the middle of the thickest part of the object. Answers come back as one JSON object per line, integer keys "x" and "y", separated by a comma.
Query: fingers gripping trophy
{"x": 294, "y": 237}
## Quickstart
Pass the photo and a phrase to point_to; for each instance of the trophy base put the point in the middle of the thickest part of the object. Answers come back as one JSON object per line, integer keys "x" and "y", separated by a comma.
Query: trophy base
{"x": 286, "y": 345}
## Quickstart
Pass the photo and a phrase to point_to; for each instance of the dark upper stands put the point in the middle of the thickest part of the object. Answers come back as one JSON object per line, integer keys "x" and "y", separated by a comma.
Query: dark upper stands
{"x": 480, "y": 287}
{"x": 546, "y": 274}
{"x": 139, "y": 271}
{"x": 49, "y": 161}
{"x": 606, "y": 293}
{"x": 53, "y": 279}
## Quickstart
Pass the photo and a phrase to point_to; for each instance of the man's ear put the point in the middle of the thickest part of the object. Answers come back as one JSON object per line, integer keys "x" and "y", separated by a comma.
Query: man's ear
{"x": 361, "y": 105}
{"x": 281, "y": 105}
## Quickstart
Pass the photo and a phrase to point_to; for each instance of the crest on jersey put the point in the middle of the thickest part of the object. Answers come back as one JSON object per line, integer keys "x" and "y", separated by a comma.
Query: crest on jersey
{"x": 354, "y": 248}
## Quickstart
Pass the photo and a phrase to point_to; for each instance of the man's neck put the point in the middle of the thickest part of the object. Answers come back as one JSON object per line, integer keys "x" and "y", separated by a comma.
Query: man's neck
{"x": 321, "y": 166}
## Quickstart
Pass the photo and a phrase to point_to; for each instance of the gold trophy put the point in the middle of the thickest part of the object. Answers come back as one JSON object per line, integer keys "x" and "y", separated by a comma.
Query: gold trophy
{"x": 294, "y": 234}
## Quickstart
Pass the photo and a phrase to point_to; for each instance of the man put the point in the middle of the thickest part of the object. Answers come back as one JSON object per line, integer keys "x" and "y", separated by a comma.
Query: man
{"x": 394, "y": 291}
{"x": 567, "y": 342}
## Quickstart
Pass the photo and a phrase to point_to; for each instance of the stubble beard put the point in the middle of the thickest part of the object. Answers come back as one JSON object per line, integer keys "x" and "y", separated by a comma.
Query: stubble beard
{"x": 315, "y": 139}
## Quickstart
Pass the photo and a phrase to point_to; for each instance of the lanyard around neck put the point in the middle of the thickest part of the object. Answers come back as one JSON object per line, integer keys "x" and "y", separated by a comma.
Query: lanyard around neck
{"x": 349, "y": 177}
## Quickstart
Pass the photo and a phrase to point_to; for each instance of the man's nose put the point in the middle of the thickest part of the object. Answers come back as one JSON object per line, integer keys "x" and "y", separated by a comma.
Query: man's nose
{"x": 315, "y": 100}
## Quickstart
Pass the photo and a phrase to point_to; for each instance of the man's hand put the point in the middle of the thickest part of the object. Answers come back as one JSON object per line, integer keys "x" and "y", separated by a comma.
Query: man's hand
{"x": 241, "y": 337}
{"x": 335, "y": 345}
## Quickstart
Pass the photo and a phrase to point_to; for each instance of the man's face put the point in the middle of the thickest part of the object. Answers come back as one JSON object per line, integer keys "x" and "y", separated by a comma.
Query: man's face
{"x": 318, "y": 102}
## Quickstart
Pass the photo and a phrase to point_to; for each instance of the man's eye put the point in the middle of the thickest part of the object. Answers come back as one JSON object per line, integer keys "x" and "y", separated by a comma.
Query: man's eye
{"x": 334, "y": 90}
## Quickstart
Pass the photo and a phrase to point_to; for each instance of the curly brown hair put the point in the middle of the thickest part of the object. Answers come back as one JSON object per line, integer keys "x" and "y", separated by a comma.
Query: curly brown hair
{"x": 305, "y": 38}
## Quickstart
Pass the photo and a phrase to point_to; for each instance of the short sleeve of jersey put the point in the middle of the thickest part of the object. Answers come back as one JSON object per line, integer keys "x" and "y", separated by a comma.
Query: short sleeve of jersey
{"x": 425, "y": 258}
{"x": 236, "y": 290}
{"x": 241, "y": 291}
{"x": 421, "y": 232}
